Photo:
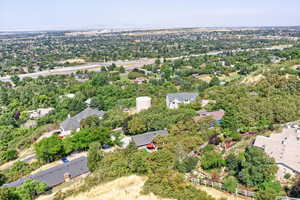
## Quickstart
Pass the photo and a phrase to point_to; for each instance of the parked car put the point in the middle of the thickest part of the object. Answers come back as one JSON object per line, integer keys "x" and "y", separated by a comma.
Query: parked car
{"x": 65, "y": 160}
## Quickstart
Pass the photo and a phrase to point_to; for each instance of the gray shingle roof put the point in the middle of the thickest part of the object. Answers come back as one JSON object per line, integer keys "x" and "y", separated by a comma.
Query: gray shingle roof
{"x": 184, "y": 96}
{"x": 73, "y": 123}
{"x": 55, "y": 175}
{"x": 147, "y": 138}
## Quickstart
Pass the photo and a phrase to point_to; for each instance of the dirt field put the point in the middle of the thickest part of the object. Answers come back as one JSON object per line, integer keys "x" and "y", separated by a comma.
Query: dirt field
{"x": 74, "y": 60}
{"x": 253, "y": 79}
{"x": 119, "y": 189}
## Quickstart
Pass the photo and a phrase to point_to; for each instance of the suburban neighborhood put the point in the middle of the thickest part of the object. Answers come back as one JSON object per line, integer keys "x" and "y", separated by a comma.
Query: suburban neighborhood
{"x": 149, "y": 100}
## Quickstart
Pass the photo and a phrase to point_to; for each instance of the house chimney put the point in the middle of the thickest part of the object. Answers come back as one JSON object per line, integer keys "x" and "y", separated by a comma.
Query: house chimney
{"x": 67, "y": 177}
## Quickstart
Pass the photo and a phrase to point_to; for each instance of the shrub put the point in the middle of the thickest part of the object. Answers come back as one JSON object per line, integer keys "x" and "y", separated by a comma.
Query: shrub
{"x": 171, "y": 184}
{"x": 134, "y": 75}
{"x": 212, "y": 160}
{"x": 95, "y": 155}
{"x": 287, "y": 176}
{"x": 30, "y": 189}
{"x": 253, "y": 167}
{"x": 230, "y": 184}
{"x": 138, "y": 162}
{"x": 6, "y": 194}
{"x": 2, "y": 179}
{"x": 186, "y": 165}
{"x": 295, "y": 190}
{"x": 268, "y": 190}
{"x": 9, "y": 155}
{"x": 160, "y": 160}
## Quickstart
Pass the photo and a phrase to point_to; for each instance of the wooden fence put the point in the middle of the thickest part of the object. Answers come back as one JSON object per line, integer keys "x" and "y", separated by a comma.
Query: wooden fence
{"x": 220, "y": 186}
{"x": 286, "y": 198}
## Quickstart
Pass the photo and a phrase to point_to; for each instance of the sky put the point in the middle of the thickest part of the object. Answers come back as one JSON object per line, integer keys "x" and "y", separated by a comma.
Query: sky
{"x": 96, "y": 14}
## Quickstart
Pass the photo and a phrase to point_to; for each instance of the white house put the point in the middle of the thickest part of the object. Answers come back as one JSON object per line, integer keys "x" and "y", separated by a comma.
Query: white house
{"x": 173, "y": 100}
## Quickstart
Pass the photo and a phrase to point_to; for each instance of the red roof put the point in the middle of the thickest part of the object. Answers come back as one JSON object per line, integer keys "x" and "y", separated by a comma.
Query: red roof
{"x": 150, "y": 146}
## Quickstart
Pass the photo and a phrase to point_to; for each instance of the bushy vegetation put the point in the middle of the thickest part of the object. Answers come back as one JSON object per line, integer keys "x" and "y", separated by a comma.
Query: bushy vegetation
{"x": 171, "y": 184}
{"x": 17, "y": 170}
{"x": 253, "y": 167}
{"x": 212, "y": 159}
{"x": 255, "y": 107}
{"x": 295, "y": 190}
{"x": 29, "y": 190}
{"x": 54, "y": 147}
{"x": 230, "y": 184}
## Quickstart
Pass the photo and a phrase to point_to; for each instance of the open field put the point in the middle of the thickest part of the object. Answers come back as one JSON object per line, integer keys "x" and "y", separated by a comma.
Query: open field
{"x": 128, "y": 188}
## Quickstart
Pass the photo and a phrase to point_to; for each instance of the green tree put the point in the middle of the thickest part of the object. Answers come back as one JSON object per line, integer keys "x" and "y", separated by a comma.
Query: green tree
{"x": 166, "y": 72}
{"x": 230, "y": 184}
{"x": 268, "y": 190}
{"x": 83, "y": 138}
{"x": 30, "y": 189}
{"x": 214, "y": 81}
{"x": 100, "y": 79}
{"x": 90, "y": 122}
{"x": 138, "y": 162}
{"x": 212, "y": 159}
{"x": 50, "y": 149}
{"x": 6, "y": 194}
{"x": 186, "y": 165}
{"x": 253, "y": 167}
{"x": 8, "y": 155}
{"x": 134, "y": 75}
{"x": 15, "y": 79}
{"x": 97, "y": 102}
{"x": 136, "y": 125}
{"x": 160, "y": 160}
{"x": 95, "y": 155}
{"x": 2, "y": 179}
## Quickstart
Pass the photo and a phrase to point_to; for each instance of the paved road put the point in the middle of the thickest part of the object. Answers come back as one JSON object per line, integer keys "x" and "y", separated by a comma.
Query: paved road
{"x": 128, "y": 65}
{"x": 88, "y": 66}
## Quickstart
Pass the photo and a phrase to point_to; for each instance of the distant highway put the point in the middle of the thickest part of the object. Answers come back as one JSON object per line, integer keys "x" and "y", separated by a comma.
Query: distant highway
{"x": 127, "y": 64}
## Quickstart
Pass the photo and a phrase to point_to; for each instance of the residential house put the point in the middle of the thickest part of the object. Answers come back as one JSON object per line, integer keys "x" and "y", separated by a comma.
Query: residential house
{"x": 173, "y": 100}
{"x": 56, "y": 175}
{"x": 284, "y": 148}
{"x": 35, "y": 114}
{"x": 73, "y": 123}
{"x": 146, "y": 139}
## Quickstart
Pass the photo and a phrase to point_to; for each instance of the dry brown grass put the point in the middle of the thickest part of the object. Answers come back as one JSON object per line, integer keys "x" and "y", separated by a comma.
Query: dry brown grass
{"x": 253, "y": 79}
{"x": 74, "y": 60}
{"x": 128, "y": 188}
{"x": 217, "y": 194}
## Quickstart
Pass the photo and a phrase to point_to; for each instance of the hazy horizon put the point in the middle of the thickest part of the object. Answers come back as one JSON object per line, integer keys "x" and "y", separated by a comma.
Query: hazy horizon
{"x": 34, "y": 15}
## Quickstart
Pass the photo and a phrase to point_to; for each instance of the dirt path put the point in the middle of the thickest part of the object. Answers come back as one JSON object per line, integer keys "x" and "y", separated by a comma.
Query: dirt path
{"x": 219, "y": 194}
